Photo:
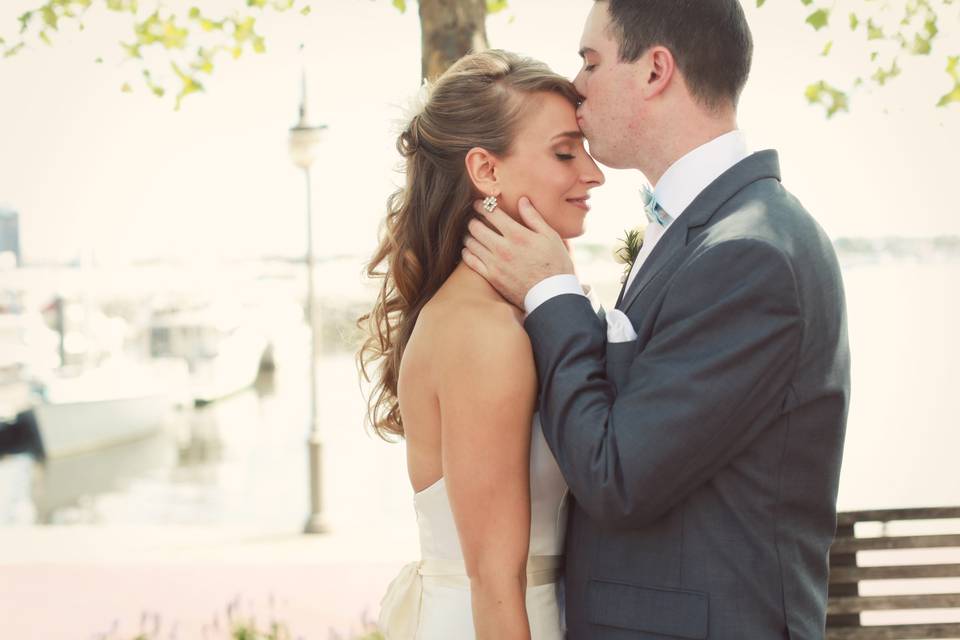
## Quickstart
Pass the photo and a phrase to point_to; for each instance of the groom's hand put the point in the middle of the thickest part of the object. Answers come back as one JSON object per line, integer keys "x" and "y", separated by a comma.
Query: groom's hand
{"x": 520, "y": 256}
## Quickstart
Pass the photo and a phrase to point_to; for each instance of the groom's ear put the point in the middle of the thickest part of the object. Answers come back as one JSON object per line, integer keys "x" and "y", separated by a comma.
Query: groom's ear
{"x": 482, "y": 168}
{"x": 660, "y": 69}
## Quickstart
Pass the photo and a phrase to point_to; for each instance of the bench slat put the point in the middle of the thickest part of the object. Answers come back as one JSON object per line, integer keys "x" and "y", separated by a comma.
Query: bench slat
{"x": 845, "y": 606}
{"x": 846, "y": 545}
{"x": 895, "y": 632}
{"x": 893, "y": 515}
{"x": 854, "y": 604}
{"x": 846, "y": 575}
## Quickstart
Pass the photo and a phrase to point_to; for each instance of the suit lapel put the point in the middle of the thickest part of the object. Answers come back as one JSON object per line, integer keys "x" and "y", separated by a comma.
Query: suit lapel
{"x": 623, "y": 290}
{"x": 759, "y": 166}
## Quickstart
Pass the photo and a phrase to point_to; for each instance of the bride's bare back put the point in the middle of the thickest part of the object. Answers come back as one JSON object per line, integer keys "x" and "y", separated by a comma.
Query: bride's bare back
{"x": 465, "y": 300}
{"x": 467, "y": 393}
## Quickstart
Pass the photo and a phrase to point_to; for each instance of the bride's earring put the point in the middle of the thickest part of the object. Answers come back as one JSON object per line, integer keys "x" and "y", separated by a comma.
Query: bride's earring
{"x": 490, "y": 203}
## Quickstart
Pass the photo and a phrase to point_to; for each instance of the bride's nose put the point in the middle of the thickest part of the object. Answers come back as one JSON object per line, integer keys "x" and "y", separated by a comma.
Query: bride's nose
{"x": 593, "y": 176}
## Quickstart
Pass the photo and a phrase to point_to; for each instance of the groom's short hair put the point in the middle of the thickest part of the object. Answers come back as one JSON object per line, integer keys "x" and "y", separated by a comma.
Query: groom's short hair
{"x": 709, "y": 39}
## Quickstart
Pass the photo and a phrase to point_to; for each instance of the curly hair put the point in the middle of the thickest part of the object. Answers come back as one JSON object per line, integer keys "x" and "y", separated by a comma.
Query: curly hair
{"x": 478, "y": 102}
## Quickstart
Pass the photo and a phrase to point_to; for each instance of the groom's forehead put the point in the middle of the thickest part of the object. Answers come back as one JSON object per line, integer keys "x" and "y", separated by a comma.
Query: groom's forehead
{"x": 596, "y": 28}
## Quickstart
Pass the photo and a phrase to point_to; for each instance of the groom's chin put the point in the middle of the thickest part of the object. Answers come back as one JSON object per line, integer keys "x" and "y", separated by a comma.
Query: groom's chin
{"x": 611, "y": 162}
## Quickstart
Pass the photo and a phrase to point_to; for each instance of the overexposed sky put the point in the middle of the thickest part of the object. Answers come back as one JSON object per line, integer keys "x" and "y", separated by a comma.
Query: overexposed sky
{"x": 128, "y": 177}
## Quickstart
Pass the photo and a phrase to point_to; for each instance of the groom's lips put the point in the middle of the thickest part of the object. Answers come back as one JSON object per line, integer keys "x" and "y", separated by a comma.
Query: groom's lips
{"x": 580, "y": 202}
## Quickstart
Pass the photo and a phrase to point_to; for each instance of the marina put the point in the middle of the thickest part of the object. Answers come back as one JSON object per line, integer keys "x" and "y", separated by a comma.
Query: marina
{"x": 212, "y": 502}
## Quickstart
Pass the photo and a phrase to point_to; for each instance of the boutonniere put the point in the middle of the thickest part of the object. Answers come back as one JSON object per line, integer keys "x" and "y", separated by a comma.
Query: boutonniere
{"x": 626, "y": 253}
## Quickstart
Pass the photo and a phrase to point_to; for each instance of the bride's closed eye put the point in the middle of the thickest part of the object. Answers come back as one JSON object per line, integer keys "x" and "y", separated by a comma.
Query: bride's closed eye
{"x": 565, "y": 156}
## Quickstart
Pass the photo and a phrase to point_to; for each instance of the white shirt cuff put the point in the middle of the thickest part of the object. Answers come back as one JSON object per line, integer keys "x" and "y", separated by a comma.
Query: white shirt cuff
{"x": 551, "y": 288}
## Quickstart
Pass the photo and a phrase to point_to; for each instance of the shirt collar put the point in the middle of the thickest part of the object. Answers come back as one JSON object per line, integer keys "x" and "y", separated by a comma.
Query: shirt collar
{"x": 687, "y": 177}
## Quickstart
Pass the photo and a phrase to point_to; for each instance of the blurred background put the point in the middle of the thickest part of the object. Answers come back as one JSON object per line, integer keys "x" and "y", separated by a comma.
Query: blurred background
{"x": 155, "y": 334}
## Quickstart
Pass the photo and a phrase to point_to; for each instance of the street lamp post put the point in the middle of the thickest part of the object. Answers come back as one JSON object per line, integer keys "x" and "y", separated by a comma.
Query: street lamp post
{"x": 303, "y": 143}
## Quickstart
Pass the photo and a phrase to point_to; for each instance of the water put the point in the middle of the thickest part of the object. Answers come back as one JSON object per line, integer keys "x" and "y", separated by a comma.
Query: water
{"x": 243, "y": 460}
{"x": 902, "y": 432}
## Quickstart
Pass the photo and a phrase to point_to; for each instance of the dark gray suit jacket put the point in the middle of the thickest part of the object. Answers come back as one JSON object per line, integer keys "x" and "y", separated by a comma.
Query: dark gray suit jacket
{"x": 704, "y": 458}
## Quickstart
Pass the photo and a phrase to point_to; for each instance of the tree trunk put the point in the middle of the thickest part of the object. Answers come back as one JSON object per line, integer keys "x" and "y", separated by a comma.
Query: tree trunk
{"x": 450, "y": 29}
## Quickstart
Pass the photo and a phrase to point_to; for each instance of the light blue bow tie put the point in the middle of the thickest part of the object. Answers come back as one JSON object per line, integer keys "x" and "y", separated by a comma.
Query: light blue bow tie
{"x": 651, "y": 207}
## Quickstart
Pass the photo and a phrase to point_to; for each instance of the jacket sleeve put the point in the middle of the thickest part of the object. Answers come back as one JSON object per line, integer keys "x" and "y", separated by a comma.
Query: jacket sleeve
{"x": 712, "y": 375}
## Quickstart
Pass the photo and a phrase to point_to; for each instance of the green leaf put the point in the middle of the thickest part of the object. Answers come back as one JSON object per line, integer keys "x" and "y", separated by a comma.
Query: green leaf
{"x": 495, "y": 6}
{"x": 14, "y": 50}
{"x": 306, "y": 10}
{"x": 827, "y": 48}
{"x": 133, "y": 50}
{"x": 831, "y": 98}
{"x": 881, "y": 75}
{"x": 190, "y": 85}
{"x": 49, "y": 17}
{"x": 818, "y": 19}
{"x": 873, "y": 31}
{"x": 921, "y": 46}
{"x": 401, "y": 5}
{"x": 854, "y": 22}
{"x": 760, "y": 3}
{"x": 24, "y": 20}
{"x": 953, "y": 96}
{"x": 126, "y": 88}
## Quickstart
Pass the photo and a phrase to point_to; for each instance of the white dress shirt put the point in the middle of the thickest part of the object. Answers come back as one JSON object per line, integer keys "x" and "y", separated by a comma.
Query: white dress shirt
{"x": 678, "y": 187}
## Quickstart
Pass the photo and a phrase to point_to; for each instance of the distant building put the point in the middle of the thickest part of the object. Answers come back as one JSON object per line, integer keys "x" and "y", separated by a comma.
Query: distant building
{"x": 10, "y": 238}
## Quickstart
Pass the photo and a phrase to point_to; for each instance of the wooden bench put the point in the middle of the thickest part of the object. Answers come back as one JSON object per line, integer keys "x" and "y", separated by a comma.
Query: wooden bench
{"x": 845, "y": 603}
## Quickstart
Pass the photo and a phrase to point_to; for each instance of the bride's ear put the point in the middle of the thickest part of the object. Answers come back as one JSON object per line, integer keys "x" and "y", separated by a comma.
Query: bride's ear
{"x": 482, "y": 168}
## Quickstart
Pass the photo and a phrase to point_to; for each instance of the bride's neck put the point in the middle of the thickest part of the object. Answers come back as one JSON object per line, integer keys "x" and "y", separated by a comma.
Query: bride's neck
{"x": 466, "y": 280}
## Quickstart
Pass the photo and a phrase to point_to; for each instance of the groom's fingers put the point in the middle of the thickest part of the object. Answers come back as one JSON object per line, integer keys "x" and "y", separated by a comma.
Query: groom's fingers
{"x": 531, "y": 217}
{"x": 475, "y": 263}
{"x": 484, "y": 235}
{"x": 478, "y": 250}
{"x": 503, "y": 223}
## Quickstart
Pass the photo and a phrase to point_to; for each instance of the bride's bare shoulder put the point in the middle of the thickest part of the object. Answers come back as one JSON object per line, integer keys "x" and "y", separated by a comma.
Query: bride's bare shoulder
{"x": 463, "y": 322}
{"x": 466, "y": 323}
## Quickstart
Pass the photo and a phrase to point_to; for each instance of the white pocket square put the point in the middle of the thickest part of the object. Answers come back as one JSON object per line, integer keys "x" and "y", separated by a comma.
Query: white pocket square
{"x": 619, "y": 328}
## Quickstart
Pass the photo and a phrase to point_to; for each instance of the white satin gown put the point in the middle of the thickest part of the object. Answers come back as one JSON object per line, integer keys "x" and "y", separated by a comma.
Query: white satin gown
{"x": 430, "y": 599}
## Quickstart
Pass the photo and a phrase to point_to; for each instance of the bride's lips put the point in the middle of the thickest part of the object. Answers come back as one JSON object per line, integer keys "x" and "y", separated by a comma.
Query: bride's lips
{"x": 580, "y": 202}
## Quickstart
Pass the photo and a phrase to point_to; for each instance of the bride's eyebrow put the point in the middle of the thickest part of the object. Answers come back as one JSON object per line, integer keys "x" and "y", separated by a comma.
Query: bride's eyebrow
{"x": 574, "y": 135}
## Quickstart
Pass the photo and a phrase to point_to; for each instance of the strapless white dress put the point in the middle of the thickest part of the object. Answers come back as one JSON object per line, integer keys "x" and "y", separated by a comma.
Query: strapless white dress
{"x": 430, "y": 599}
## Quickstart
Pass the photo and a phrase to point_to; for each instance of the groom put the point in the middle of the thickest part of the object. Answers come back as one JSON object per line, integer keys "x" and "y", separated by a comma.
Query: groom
{"x": 704, "y": 453}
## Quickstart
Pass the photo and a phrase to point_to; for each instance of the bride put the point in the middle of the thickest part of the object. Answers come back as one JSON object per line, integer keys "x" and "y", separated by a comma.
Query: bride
{"x": 454, "y": 368}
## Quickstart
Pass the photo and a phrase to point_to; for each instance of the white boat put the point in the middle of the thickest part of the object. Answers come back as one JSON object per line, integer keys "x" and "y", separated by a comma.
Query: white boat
{"x": 224, "y": 353}
{"x": 112, "y": 404}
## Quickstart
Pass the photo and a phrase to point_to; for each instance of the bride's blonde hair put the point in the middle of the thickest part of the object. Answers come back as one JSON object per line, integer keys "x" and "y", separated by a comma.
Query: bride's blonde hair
{"x": 477, "y": 102}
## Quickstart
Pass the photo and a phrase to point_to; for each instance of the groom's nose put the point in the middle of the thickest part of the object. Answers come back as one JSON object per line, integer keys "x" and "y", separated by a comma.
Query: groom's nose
{"x": 580, "y": 85}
